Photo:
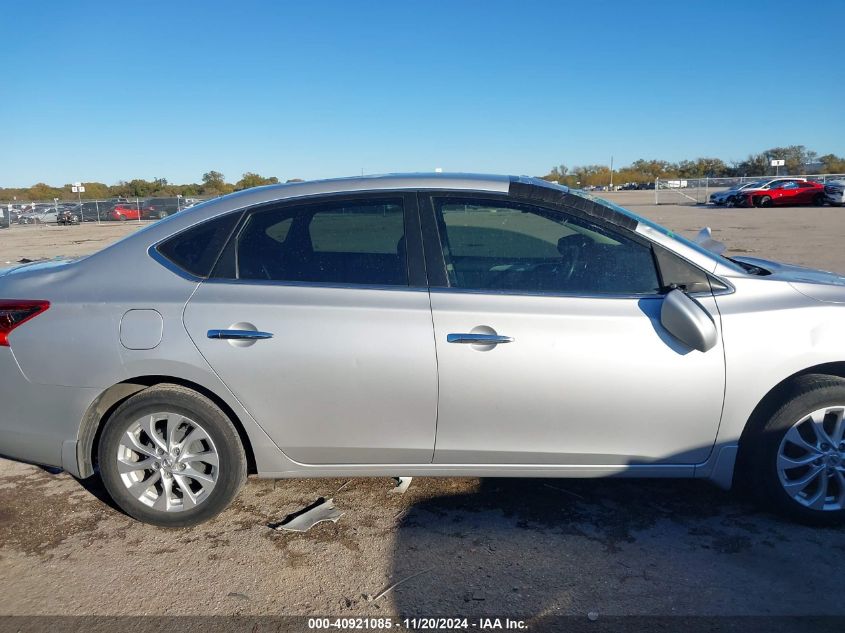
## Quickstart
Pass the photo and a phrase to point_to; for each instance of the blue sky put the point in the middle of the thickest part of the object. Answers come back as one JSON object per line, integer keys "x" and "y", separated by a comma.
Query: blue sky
{"x": 116, "y": 90}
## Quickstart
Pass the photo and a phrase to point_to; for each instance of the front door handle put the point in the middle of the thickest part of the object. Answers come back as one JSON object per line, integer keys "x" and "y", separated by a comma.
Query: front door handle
{"x": 478, "y": 339}
{"x": 239, "y": 335}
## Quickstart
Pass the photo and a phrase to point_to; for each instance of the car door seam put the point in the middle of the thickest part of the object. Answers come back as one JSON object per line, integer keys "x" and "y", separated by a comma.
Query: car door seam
{"x": 437, "y": 378}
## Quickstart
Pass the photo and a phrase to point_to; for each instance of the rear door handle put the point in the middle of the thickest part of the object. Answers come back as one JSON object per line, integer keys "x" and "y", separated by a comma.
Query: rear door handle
{"x": 239, "y": 335}
{"x": 478, "y": 339}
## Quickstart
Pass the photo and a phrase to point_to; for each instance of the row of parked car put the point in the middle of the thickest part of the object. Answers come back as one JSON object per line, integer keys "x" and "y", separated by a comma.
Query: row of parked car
{"x": 117, "y": 209}
{"x": 785, "y": 191}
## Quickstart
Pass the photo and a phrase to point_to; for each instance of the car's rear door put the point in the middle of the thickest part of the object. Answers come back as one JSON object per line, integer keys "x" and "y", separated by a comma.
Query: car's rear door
{"x": 549, "y": 342}
{"x": 317, "y": 318}
{"x": 806, "y": 192}
{"x": 785, "y": 192}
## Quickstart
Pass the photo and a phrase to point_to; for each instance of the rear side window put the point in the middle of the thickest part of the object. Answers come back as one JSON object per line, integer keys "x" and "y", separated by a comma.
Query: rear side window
{"x": 196, "y": 249}
{"x": 343, "y": 242}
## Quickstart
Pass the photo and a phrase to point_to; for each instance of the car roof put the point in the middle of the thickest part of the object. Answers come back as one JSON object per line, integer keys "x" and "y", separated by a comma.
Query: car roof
{"x": 360, "y": 184}
{"x": 474, "y": 182}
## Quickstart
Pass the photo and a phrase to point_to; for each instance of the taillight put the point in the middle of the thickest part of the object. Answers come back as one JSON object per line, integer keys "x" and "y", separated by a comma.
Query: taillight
{"x": 14, "y": 312}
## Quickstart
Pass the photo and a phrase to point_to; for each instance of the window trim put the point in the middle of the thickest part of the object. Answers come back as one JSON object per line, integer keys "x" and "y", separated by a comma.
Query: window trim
{"x": 415, "y": 264}
{"x": 436, "y": 263}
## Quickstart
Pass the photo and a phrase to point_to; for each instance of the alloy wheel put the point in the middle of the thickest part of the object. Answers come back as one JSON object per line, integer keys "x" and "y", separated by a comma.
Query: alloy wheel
{"x": 168, "y": 462}
{"x": 811, "y": 460}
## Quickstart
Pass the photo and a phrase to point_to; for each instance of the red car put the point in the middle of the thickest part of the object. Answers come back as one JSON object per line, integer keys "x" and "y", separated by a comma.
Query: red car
{"x": 783, "y": 193}
{"x": 125, "y": 211}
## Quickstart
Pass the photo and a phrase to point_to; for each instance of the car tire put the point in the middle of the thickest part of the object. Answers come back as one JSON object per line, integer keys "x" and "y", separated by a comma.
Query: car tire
{"x": 765, "y": 201}
{"x": 171, "y": 490}
{"x": 818, "y": 200}
{"x": 791, "y": 436}
{"x": 162, "y": 215}
{"x": 121, "y": 217}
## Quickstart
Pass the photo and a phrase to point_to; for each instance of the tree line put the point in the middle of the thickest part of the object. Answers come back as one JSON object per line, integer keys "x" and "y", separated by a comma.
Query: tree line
{"x": 797, "y": 160}
{"x": 213, "y": 184}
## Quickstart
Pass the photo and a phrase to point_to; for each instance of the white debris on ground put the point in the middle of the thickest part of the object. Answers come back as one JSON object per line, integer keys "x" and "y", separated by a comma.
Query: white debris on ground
{"x": 401, "y": 487}
{"x": 303, "y": 520}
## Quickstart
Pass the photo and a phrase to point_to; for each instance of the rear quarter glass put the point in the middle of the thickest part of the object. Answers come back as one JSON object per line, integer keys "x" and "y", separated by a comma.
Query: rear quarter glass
{"x": 196, "y": 249}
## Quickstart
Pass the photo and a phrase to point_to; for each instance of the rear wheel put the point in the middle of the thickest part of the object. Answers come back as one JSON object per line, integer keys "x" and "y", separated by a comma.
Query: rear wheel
{"x": 765, "y": 201}
{"x": 121, "y": 217}
{"x": 170, "y": 457}
{"x": 798, "y": 458}
{"x": 818, "y": 200}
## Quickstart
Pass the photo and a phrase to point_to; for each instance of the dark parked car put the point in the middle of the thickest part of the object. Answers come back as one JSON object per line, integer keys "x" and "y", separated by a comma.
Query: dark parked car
{"x": 157, "y": 208}
{"x": 68, "y": 217}
{"x": 94, "y": 211}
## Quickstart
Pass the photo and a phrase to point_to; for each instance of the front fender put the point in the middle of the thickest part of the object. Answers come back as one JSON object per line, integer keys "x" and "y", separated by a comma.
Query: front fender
{"x": 771, "y": 332}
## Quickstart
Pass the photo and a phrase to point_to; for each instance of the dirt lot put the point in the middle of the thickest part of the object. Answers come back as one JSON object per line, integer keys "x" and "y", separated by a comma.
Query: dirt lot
{"x": 530, "y": 548}
{"x": 45, "y": 241}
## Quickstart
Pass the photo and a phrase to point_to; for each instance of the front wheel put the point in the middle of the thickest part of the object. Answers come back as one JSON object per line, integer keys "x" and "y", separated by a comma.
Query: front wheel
{"x": 765, "y": 201}
{"x": 818, "y": 200}
{"x": 798, "y": 457}
{"x": 170, "y": 457}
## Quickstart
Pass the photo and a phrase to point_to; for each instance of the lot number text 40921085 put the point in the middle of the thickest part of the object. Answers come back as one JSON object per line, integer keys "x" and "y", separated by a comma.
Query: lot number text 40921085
{"x": 417, "y": 624}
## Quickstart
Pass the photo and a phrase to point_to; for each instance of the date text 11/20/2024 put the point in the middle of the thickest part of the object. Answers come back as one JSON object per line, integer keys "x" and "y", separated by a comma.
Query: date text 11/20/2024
{"x": 417, "y": 624}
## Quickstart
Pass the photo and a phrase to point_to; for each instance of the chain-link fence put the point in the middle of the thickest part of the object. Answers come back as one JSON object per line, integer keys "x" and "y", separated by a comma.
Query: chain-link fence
{"x": 721, "y": 190}
{"x": 64, "y": 212}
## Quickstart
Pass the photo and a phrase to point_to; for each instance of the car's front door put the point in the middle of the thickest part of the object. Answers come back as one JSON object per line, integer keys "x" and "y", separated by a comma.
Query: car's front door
{"x": 317, "y": 319}
{"x": 550, "y": 347}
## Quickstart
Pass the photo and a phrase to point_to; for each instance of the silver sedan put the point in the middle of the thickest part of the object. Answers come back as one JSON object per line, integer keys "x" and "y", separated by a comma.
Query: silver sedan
{"x": 423, "y": 325}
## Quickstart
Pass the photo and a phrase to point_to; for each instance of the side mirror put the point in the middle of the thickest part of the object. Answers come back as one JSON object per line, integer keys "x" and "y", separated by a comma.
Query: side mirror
{"x": 685, "y": 319}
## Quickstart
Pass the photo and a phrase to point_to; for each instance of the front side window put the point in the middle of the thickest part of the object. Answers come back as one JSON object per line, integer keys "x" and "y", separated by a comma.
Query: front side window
{"x": 492, "y": 245}
{"x": 360, "y": 242}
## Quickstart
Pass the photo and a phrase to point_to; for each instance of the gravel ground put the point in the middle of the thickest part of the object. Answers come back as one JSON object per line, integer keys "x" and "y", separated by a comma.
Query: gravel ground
{"x": 527, "y": 548}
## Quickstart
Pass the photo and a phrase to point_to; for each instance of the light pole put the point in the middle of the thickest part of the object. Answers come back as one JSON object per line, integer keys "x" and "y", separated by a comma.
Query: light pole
{"x": 79, "y": 189}
{"x": 611, "y": 173}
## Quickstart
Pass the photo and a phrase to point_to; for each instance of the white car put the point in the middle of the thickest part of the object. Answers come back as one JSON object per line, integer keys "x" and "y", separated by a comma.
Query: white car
{"x": 50, "y": 216}
{"x": 834, "y": 192}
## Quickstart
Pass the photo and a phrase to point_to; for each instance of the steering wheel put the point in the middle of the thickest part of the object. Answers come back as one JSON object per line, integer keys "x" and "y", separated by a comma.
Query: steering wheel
{"x": 573, "y": 250}
{"x": 560, "y": 269}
